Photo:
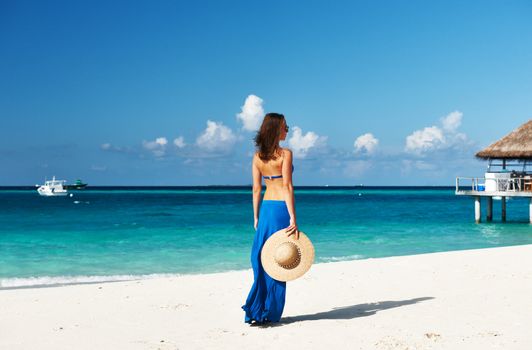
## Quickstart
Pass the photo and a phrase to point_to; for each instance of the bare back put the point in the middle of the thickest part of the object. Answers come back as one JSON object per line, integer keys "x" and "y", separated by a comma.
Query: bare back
{"x": 274, "y": 167}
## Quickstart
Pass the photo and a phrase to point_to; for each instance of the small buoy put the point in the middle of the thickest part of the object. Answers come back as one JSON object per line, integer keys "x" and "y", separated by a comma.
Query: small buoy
{"x": 360, "y": 194}
{"x": 71, "y": 195}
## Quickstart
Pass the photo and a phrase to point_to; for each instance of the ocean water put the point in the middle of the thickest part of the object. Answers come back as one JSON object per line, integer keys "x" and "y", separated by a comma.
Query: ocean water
{"x": 126, "y": 233}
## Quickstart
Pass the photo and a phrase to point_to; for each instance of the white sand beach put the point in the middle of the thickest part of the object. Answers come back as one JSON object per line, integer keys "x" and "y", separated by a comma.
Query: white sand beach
{"x": 475, "y": 299}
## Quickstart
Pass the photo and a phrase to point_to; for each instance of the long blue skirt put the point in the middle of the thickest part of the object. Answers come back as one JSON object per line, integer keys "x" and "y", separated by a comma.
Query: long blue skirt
{"x": 265, "y": 301}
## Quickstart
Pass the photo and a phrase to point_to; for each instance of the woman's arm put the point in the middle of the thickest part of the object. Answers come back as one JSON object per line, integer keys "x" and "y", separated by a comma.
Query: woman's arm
{"x": 257, "y": 188}
{"x": 288, "y": 192}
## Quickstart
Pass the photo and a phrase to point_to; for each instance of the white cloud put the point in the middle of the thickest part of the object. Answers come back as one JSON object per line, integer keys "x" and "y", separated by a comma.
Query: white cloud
{"x": 434, "y": 138}
{"x": 452, "y": 121}
{"x": 252, "y": 113}
{"x": 428, "y": 138}
{"x": 108, "y": 147}
{"x": 157, "y": 143}
{"x": 367, "y": 143}
{"x": 179, "y": 142}
{"x": 216, "y": 136}
{"x": 157, "y": 147}
{"x": 302, "y": 143}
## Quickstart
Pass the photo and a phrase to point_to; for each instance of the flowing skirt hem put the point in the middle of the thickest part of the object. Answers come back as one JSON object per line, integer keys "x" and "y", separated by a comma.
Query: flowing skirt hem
{"x": 249, "y": 318}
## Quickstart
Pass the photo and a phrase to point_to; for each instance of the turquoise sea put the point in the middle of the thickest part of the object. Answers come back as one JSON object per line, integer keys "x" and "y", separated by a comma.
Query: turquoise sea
{"x": 124, "y": 233}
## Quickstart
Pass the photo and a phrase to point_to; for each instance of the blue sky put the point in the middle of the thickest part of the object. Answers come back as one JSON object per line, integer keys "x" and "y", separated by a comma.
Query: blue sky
{"x": 149, "y": 93}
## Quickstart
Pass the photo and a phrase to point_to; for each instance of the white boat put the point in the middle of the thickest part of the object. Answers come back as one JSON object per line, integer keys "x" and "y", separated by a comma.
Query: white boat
{"x": 53, "y": 188}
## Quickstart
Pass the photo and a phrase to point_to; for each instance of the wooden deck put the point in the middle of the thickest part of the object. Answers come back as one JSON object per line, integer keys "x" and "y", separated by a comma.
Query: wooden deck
{"x": 494, "y": 193}
{"x": 503, "y": 188}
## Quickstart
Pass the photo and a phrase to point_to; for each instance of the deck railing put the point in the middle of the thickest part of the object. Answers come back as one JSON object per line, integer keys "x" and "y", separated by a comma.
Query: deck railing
{"x": 514, "y": 184}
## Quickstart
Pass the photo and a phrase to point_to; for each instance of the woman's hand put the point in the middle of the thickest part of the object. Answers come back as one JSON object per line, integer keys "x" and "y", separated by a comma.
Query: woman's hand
{"x": 292, "y": 229}
{"x": 256, "y": 223}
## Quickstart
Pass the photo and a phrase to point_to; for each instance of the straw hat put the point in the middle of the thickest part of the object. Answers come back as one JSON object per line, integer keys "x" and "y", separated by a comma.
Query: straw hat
{"x": 286, "y": 258}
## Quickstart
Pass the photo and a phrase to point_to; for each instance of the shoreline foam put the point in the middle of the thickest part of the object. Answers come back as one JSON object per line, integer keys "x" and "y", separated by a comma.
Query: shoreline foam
{"x": 66, "y": 280}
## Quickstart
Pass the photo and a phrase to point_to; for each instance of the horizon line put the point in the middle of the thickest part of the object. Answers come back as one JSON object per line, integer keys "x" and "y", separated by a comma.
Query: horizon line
{"x": 246, "y": 186}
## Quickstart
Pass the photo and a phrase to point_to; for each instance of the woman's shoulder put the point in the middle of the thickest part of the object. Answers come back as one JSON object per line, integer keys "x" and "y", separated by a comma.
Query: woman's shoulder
{"x": 286, "y": 151}
{"x": 256, "y": 158}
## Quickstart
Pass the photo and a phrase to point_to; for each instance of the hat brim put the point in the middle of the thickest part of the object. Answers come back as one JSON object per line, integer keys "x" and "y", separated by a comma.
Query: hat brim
{"x": 278, "y": 272}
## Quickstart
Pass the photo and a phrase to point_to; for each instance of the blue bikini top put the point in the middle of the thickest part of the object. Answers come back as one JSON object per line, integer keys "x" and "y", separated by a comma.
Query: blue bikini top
{"x": 270, "y": 177}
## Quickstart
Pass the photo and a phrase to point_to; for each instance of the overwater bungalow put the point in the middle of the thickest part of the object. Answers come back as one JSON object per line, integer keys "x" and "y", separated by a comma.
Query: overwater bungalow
{"x": 509, "y": 173}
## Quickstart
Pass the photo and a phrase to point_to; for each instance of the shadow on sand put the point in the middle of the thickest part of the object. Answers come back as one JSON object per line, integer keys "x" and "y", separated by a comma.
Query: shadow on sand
{"x": 348, "y": 312}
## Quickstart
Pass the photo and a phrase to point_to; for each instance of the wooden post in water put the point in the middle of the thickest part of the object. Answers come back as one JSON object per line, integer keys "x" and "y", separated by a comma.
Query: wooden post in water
{"x": 503, "y": 208}
{"x": 489, "y": 216}
{"x": 503, "y": 204}
{"x": 530, "y": 210}
{"x": 477, "y": 209}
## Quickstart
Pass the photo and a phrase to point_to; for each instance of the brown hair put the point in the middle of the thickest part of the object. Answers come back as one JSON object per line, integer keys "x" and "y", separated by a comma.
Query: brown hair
{"x": 268, "y": 136}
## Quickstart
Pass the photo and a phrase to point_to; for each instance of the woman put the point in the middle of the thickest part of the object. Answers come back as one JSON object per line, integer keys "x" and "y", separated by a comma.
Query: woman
{"x": 265, "y": 301}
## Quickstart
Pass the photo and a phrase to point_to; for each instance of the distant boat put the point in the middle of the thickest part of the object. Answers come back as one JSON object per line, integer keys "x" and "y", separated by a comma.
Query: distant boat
{"x": 78, "y": 185}
{"x": 52, "y": 188}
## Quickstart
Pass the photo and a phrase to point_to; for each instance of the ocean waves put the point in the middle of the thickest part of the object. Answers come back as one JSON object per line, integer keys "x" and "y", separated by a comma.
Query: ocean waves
{"x": 49, "y": 281}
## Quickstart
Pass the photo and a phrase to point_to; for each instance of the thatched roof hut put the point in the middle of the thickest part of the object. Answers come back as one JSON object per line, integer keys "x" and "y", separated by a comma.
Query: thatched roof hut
{"x": 515, "y": 145}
